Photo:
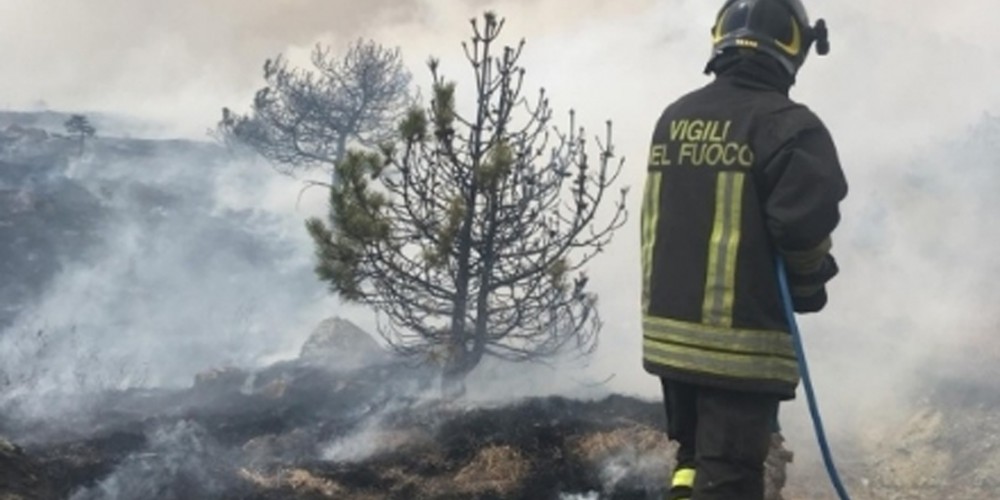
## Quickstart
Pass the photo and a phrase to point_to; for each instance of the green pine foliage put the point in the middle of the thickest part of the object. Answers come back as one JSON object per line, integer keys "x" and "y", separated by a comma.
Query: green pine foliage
{"x": 469, "y": 232}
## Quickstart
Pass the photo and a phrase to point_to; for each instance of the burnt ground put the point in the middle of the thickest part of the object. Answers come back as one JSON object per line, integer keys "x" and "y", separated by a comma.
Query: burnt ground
{"x": 294, "y": 431}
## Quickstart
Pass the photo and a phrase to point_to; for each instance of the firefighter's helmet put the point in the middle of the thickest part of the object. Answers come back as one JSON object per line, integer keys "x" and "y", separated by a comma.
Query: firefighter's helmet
{"x": 778, "y": 28}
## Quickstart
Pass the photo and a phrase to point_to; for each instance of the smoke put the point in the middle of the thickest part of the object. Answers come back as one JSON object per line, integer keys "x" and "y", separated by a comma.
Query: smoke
{"x": 634, "y": 467}
{"x": 586, "y": 496}
{"x": 167, "y": 62}
{"x": 194, "y": 271}
{"x": 372, "y": 437}
{"x": 916, "y": 136}
{"x": 177, "y": 63}
{"x": 181, "y": 462}
{"x": 908, "y": 93}
{"x": 892, "y": 94}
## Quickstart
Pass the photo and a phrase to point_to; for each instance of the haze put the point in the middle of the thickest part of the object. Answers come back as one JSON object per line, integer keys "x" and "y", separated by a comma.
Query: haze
{"x": 905, "y": 82}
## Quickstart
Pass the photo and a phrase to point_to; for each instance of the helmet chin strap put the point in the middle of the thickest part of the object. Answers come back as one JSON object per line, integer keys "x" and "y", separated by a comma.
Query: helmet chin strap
{"x": 821, "y": 35}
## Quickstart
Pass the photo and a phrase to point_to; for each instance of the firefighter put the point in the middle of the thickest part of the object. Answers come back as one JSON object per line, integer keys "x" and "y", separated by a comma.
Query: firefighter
{"x": 738, "y": 174}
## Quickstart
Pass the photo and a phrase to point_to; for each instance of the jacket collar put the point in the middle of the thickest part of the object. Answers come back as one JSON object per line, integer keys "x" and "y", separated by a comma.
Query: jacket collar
{"x": 753, "y": 70}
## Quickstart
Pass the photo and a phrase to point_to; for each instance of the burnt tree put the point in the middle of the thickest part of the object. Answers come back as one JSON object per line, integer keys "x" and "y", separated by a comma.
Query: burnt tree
{"x": 469, "y": 234}
{"x": 307, "y": 118}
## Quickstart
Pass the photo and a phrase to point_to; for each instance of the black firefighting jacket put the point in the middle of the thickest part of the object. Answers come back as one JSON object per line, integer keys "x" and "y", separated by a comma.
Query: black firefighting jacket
{"x": 737, "y": 174}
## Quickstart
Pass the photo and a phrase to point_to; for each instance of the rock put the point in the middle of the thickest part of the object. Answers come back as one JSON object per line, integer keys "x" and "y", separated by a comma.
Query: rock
{"x": 339, "y": 345}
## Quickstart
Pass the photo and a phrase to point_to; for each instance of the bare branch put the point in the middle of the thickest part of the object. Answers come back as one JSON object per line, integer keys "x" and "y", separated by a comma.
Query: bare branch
{"x": 470, "y": 233}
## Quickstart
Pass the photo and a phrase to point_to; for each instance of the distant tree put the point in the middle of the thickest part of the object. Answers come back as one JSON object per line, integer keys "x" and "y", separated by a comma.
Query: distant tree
{"x": 307, "y": 118}
{"x": 79, "y": 126}
{"x": 472, "y": 239}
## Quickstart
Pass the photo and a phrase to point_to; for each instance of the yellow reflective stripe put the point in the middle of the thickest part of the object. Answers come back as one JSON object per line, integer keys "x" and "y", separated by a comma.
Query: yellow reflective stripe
{"x": 732, "y": 352}
{"x": 683, "y": 478}
{"x": 740, "y": 341}
{"x": 794, "y": 46}
{"x": 714, "y": 242}
{"x": 747, "y": 366}
{"x": 735, "y": 214}
{"x": 650, "y": 221}
{"x": 723, "y": 248}
{"x": 717, "y": 32}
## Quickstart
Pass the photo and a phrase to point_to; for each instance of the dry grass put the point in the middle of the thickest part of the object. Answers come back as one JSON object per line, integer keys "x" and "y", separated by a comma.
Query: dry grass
{"x": 499, "y": 469}
{"x": 298, "y": 480}
{"x": 495, "y": 470}
{"x": 302, "y": 481}
{"x": 598, "y": 447}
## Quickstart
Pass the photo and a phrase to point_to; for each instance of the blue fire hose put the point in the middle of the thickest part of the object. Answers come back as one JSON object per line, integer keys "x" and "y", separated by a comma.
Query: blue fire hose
{"x": 800, "y": 352}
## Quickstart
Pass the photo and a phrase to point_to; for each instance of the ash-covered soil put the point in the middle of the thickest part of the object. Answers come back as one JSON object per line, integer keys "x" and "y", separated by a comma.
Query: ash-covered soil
{"x": 298, "y": 431}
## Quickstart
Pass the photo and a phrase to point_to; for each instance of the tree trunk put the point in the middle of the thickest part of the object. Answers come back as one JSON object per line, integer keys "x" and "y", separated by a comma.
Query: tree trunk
{"x": 456, "y": 364}
{"x": 453, "y": 382}
{"x": 338, "y": 156}
{"x": 482, "y": 300}
{"x": 460, "y": 359}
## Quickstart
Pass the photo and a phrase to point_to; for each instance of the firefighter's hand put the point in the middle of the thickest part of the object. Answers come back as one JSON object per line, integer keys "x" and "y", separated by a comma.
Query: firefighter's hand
{"x": 809, "y": 290}
{"x": 810, "y": 303}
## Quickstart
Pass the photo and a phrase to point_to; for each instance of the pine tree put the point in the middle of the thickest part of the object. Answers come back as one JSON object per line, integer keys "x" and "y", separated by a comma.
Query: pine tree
{"x": 79, "y": 126}
{"x": 469, "y": 234}
{"x": 307, "y": 118}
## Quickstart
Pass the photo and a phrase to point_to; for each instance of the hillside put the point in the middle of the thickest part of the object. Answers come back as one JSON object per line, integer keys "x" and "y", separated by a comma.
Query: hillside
{"x": 298, "y": 430}
{"x": 56, "y": 206}
{"x": 129, "y": 268}
{"x": 136, "y": 251}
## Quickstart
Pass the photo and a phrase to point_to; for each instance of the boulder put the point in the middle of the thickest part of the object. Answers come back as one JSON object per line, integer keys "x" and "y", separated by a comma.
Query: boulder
{"x": 340, "y": 345}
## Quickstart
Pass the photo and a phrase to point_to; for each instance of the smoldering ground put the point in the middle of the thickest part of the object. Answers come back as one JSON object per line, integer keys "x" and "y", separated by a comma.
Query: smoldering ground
{"x": 907, "y": 93}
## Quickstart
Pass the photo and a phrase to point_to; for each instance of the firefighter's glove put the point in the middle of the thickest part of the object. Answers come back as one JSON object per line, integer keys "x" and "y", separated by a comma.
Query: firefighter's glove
{"x": 809, "y": 289}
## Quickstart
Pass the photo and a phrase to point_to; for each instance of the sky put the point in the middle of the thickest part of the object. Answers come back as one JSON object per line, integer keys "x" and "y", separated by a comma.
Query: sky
{"x": 903, "y": 80}
{"x": 178, "y": 62}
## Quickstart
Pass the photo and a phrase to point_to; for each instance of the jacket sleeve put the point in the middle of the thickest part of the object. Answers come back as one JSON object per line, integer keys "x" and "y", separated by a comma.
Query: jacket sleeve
{"x": 805, "y": 186}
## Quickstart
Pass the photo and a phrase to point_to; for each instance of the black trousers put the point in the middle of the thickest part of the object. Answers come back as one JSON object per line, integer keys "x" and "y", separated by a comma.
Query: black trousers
{"x": 723, "y": 435}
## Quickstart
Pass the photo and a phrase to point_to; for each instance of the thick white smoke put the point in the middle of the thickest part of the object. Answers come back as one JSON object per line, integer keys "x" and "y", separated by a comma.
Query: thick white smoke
{"x": 194, "y": 271}
{"x": 906, "y": 92}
